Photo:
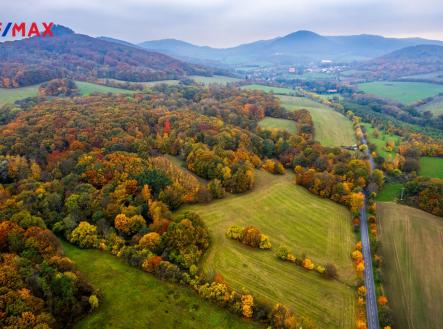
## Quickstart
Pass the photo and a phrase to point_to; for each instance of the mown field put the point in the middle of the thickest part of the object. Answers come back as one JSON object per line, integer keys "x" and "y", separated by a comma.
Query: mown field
{"x": 85, "y": 88}
{"x": 436, "y": 106}
{"x": 133, "y": 299}
{"x": 269, "y": 89}
{"x": 14, "y": 94}
{"x": 431, "y": 167}
{"x": 380, "y": 141}
{"x": 412, "y": 249}
{"x": 146, "y": 84}
{"x": 214, "y": 79}
{"x": 331, "y": 127}
{"x": 403, "y": 92}
{"x": 275, "y": 123}
{"x": 305, "y": 223}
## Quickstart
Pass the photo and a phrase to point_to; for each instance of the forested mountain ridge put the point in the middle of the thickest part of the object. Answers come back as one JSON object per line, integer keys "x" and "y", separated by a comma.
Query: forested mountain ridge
{"x": 296, "y": 47}
{"x": 68, "y": 54}
{"x": 407, "y": 61}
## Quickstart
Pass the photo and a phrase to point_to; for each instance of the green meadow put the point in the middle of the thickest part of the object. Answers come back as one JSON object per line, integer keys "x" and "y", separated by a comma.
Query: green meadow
{"x": 214, "y": 79}
{"x": 330, "y": 127}
{"x": 275, "y": 123}
{"x": 403, "y": 92}
{"x": 390, "y": 192}
{"x": 10, "y": 95}
{"x": 308, "y": 225}
{"x": 133, "y": 299}
{"x": 269, "y": 89}
{"x": 380, "y": 140}
{"x": 431, "y": 167}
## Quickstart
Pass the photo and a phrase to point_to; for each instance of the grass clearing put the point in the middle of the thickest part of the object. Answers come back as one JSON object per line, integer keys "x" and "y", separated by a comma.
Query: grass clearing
{"x": 10, "y": 95}
{"x": 331, "y": 127}
{"x": 291, "y": 216}
{"x": 269, "y": 89}
{"x": 275, "y": 123}
{"x": 431, "y": 167}
{"x": 436, "y": 106}
{"x": 88, "y": 88}
{"x": 403, "y": 92}
{"x": 133, "y": 299}
{"x": 145, "y": 84}
{"x": 160, "y": 82}
{"x": 390, "y": 192}
{"x": 380, "y": 141}
{"x": 412, "y": 248}
{"x": 214, "y": 79}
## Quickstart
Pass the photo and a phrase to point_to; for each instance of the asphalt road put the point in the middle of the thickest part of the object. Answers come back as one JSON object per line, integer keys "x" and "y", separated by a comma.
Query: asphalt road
{"x": 371, "y": 299}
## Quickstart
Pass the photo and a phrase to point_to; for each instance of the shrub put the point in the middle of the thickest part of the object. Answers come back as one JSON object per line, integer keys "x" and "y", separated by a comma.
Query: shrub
{"x": 84, "y": 235}
{"x": 264, "y": 242}
{"x": 151, "y": 263}
{"x": 93, "y": 301}
{"x": 251, "y": 236}
{"x": 320, "y": 269}
{"x": 282, "y": 252}
{"x": 308, "y": 264}
{"x": 216, "y": 188}
{"x": 235, "y": 232}
{"x": 129, "y": 225}
{"x": 274, "y": 167}
{"x": 149, "y": 241}
{"x": 247, "y": 304}
{"x": 330, "y": 271}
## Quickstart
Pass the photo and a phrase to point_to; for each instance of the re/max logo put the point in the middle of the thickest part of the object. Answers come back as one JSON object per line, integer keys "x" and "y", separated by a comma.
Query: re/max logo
{"x": 26, "y": 30}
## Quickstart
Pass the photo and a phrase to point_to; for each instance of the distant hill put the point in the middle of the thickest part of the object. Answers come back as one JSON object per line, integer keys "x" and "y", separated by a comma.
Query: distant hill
{"x": 407, "y": 61}
{"x": 67, "y": 54}
{"x": 118, "y": 41}
{"x": 294, "y": 48}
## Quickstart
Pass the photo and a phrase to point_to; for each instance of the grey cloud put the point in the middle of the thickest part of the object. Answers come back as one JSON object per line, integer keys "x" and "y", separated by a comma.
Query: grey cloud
{"x": 230, "y": 22}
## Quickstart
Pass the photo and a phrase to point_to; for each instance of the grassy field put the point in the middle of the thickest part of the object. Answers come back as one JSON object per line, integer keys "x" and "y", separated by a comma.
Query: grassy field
{"x": 331, "y": 128}
{"x": 381, "y": 140}
{"x": 434, "y": 76}
{"x": 146, "y": 84}
{"x": 214, "y": 79}
{"x": 403, "y": 92}
{"x": 307, "y": 224}
{"x": 436, "y": 106}
{"x": 390, "y": 192}
{"x": 431, "y": 167}
{"x": 268, "y": 89}
{"x": 14, "y": 94}
{"x": 310, "y": 76}
{"x": 133, "y": 299}
{"x": 288, "y": 125}
{"x": 155, "y": 83}
{"x": 87, "y": 88}
{"x": 412, "y": 249}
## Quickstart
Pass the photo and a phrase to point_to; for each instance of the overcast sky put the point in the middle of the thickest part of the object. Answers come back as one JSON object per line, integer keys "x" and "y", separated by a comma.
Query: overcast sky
{"x": 222, "y": 23}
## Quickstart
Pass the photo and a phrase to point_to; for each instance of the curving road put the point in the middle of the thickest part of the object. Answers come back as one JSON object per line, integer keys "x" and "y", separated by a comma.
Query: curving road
{"x": 371, "y": 299}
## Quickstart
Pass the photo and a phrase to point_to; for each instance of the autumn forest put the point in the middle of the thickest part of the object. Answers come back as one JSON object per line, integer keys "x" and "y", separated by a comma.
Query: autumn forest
{"x": 168, "y": 185}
